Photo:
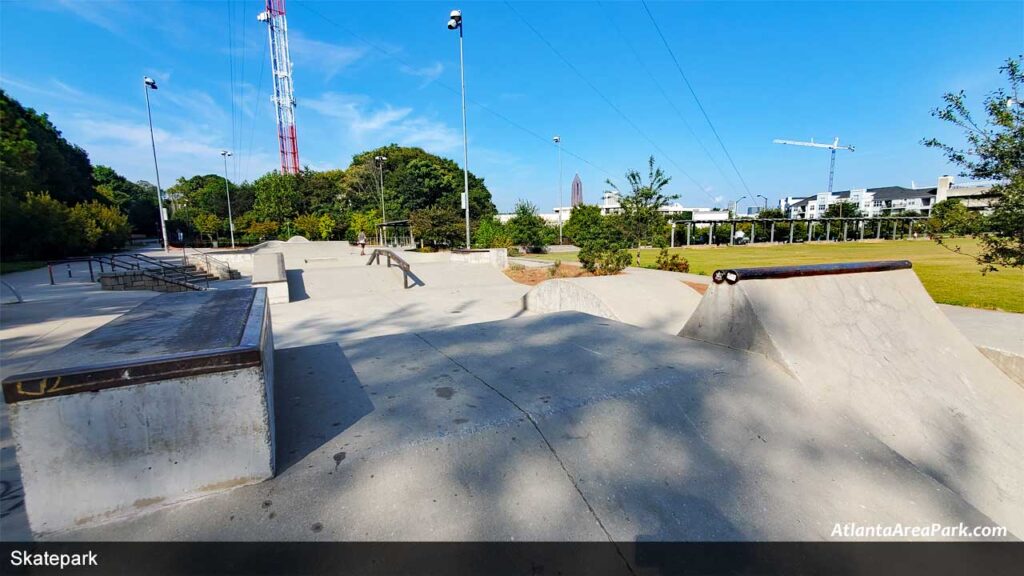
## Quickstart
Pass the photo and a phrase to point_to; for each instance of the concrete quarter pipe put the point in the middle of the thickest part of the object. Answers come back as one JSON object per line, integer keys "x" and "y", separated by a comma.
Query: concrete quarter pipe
{"x": 874, "y": 345}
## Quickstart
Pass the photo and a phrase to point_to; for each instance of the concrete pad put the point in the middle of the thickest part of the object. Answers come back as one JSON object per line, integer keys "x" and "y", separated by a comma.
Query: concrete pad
{"x": 651, "y": 299}
{"x": 876, "y": 346}
{"x": 269, "y": 273}
{"x": 555, "y": 427}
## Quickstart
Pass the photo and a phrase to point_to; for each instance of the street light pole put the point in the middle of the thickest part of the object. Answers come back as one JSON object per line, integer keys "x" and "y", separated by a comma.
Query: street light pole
{"x": 148, "y": 84}
{"x": 227, "y": 190}
{"x": 558, "y": 143}
{"x": 455, "y": 21}
{"x": 380, "y": 160}
{"x": 765, "y": 200}
{"x": 736, "y": 206}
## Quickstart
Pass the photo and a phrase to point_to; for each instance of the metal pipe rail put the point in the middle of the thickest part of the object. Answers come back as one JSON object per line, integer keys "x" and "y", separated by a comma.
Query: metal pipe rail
{"x": 735, "y": 275}
{"x": 399, "y": 262}
{"x": 190, "y": 278}
{"x": 89, "y": 259}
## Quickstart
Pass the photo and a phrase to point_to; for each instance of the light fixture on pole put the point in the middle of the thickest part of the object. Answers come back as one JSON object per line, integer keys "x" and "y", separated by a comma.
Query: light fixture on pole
{"x": 736, "y": 206}
{"x": 558, "y": 142}
{"x": 227, "y": 190}
{"x": 150, "y": 84}
{"x": 379, "y": 161}
{"x": 455, "y": 22}
{"x": 765, "y": 200}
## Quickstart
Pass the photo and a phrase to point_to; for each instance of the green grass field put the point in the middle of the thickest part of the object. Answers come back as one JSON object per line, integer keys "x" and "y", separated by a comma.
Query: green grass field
{"x": 950, "y": 278}
{"x": 19, "y": 265}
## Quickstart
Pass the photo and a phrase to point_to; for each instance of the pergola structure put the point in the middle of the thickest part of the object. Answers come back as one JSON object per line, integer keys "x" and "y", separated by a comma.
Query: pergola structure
{"x": 859, "y": 224}
{"x": 401, "y": 230}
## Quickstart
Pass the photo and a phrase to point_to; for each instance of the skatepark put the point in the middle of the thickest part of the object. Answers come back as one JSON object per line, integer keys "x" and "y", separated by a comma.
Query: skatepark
{"x": 431, "y": 398}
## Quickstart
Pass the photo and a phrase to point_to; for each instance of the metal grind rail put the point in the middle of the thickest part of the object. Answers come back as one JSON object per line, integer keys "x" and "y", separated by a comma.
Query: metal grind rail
{"x": 396, "y": 260}
{"x": 735, "y": 275}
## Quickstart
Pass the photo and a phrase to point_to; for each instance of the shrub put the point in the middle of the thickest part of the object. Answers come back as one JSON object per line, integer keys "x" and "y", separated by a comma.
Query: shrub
{"x": 603, "y": 259}
{"x": 671, "y": 262}
{"x": 308, "y": 225}
{"x": 263, "y": 230}
{"x": 526, "y": 228}
{"x": 492, "y": 234}
{"x": 437, "y": 225}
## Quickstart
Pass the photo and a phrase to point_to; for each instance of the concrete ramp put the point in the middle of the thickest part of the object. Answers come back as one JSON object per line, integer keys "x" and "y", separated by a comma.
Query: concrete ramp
{"x": 646, "y": 298}
{"x": 874, "y": 343}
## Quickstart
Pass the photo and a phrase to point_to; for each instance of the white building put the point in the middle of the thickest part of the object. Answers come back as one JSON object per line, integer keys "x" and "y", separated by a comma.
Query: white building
{"x": 891, "y": 200}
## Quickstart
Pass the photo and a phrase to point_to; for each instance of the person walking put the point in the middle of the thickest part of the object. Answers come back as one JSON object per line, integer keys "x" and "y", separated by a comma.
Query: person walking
{"x": 361, "y": 240}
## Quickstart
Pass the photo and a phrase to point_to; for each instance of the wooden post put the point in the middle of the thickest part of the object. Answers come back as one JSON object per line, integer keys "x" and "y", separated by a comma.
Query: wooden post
{"x": 689, "y": 225}
{"x": 772, "y": 239}
{"x": 792, "y": 227}
{"x": 711, "y": 232}
{"x": 732, "y": 234}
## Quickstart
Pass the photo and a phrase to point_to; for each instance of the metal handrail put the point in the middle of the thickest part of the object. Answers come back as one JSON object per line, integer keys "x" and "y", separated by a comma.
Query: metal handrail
{"x": 206, "y": 257}
{"x": 90, "y": 259}
{"x": 399, "y": 262}
{"x": 167, "y": 268}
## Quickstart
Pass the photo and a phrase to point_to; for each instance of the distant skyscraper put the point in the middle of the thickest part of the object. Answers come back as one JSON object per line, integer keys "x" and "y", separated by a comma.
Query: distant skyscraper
{"x": 577, "y": 191}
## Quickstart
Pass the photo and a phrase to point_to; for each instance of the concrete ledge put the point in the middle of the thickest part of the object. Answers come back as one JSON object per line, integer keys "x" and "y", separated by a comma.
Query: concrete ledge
{"x": 497, "y": 257}
{"x": 268, "y": 271}
{"x": 172, "y": 401}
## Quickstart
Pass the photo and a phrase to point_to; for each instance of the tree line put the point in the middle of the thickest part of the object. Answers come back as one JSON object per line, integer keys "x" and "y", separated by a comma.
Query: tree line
{"x": 55, "y": 203}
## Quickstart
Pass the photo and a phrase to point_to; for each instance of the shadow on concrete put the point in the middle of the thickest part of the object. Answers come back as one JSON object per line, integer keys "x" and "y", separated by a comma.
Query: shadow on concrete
{"x": 296, "y": 286}
{"x": 317, "y": 396}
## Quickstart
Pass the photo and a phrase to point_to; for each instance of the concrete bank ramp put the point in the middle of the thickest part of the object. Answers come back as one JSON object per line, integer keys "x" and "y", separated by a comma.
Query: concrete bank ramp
{"x": 646, "y": 298}
{"x": 875, "y": 345}
{"x": 560, "y": 427}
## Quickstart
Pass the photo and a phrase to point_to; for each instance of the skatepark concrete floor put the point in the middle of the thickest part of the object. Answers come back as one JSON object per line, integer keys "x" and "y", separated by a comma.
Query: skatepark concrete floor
{"x": 449, "y": 412}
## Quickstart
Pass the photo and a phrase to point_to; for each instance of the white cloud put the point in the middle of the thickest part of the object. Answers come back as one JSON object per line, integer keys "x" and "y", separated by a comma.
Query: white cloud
{"x": 366, "y": 125}
{"x": 428, "y": 73}
{"x": 125, "y": 146}
{"x": 330, "y": 58}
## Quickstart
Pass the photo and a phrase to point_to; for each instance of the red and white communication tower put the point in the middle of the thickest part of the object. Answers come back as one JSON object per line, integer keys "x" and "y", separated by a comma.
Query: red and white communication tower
{"x": 284, "y": 95}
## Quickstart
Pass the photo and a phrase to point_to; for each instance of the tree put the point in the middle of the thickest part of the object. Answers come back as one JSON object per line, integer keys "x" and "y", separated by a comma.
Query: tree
{"x": 641, "y": 208}
{"x": 491, "y": 233}
{"x": 263, "y": 230}
{"x": 326, "y": 225}
{"x": 951, "y": 218}
{"x": 995, "y": 151}
{"x": 526, "y": 228}
{"x": 842, "y": 210}
{"x": 584, "y": 222}
{"x": 277, "y": 197}
{"x": 208, "y": 224}
{"x": 35, "y": 157}
{"x": 308, "y": 225}
{"x": 437, "y": 225}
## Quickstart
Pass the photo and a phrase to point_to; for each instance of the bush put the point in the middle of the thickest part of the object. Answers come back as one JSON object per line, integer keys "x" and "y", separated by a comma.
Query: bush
{"x": 527, "y": 229}
{"x": 263, "y": 230}
{"x": 492, "y": 234}
{"x": 671, "y": 262}
{"x": 603, "y": 260}
{"x": 437, "y": 225}
{"x": 308, "y": 225}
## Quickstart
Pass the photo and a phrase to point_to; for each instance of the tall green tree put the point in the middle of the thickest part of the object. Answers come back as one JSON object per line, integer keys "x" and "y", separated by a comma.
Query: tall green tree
{"x": 641, "y": 208}
{"x": 994, "y": 151}
{"x": 526, "y": 228}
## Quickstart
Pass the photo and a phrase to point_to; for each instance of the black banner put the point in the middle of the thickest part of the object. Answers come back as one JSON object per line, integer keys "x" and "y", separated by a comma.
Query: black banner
{"x": 547, "y": 559}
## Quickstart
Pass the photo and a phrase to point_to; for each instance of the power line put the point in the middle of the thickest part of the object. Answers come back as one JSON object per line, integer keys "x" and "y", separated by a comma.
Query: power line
{"x": 256, "y": 112}
{"x": 231, "y": 68}
{"x": 606, "y": 99}
{"x": 694, "y": 94}
{"x": 665, "y": 95}
{"x": 545, "y": 139}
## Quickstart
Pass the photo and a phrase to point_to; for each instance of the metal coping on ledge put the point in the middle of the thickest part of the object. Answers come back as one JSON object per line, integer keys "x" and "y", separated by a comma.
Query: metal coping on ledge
{"x": 771, "y": 272}
{"x": 73, "y": 380}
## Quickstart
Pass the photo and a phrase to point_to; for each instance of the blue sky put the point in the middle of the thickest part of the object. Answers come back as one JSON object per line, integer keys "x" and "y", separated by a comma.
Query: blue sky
{"x": 372, "y": 73}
